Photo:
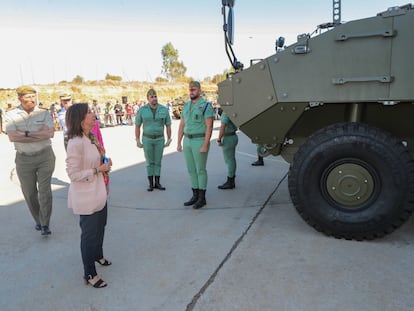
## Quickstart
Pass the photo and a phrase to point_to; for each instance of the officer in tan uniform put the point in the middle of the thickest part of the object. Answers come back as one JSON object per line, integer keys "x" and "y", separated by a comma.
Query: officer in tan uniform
{"x": 31, "y": 129}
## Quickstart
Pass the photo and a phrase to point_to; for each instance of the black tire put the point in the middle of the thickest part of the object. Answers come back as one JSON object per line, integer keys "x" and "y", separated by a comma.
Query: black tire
{"x": 353, "y": 181}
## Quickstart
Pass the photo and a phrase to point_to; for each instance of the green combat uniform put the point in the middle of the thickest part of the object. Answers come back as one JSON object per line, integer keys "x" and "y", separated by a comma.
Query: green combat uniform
{"x": 153, "y": 121}
{"x": 229, "y": 142}
{"x": 194, "y": 115}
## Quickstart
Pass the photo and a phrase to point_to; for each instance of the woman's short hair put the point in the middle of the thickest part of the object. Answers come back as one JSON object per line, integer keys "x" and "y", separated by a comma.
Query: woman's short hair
{"x": 74, "y": 117}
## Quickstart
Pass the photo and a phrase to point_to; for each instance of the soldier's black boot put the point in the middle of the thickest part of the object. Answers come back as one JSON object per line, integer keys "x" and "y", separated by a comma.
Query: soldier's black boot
{"x": 151, "y": 183}
{"x": 157, "y": 184}
{"x": 259, "y": 162}
{"x": 193, "y": 199}
{"x": 201, "y": 201}
{"x": 229, "y": 184}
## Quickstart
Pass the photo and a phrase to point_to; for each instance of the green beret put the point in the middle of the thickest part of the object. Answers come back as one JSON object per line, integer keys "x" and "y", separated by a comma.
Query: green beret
{"x": 195, "y": 84}
{"x": 151, "y": 92}
{"x": 25, "y": 89}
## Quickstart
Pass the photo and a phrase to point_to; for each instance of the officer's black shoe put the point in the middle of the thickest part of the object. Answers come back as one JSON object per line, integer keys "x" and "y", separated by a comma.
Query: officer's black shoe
{"x": 201, "y": 201}
{"x": 193, "y": 199}
{"x": 151, "y": 183}
{"x": 45, "y": 231}
{"x": 38, "y": 227}
{"x": 229, "y": 184}
{"x": 157, "y": 184}
{"x": 259, "y": 162}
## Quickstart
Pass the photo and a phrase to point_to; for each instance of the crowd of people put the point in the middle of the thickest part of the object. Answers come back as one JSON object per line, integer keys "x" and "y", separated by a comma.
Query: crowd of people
{"x": 108, "y": 114}
{"x": 31, "y": 129}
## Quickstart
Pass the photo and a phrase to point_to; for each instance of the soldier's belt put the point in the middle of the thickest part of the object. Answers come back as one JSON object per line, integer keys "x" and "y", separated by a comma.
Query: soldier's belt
{"x": 34, "y": 154}
{"x": 194, "y": 135}
{"x": 230, "y": 134}
{"x": 152, "y": 136}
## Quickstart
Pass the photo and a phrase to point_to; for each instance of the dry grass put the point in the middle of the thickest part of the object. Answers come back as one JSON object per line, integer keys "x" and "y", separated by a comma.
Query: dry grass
{"x": 104, "y": 91}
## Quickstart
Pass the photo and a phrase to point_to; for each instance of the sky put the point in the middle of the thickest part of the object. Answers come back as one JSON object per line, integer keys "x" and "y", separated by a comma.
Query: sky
{"x": 48, "y": 41}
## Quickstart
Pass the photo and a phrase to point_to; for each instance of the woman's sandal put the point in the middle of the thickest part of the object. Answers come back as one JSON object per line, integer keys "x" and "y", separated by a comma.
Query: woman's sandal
{"x": 105, "y": 263}
{"x": 98, "y": 284}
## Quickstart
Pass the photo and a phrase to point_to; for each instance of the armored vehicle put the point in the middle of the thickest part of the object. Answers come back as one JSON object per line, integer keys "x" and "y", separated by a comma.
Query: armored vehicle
{"x": 338, "y": 106}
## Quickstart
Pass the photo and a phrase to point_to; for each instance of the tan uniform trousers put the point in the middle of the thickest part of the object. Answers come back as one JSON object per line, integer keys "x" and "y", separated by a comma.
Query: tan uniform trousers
{"x": 35, "y": 176}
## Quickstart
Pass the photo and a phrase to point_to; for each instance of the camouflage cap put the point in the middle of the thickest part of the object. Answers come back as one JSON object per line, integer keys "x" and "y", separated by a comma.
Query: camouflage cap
{"x": 65, "y": 96}
{"x": 25, "y": 89}
{"x": 151, "y": 92}
{"x": 195, "y": 84}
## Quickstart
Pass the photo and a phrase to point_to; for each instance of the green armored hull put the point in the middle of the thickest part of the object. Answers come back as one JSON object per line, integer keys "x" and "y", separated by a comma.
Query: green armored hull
{"x": 338, "y": 107}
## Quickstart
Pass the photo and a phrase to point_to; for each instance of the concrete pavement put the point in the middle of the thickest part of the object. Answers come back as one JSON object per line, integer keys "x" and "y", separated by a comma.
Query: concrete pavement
{"x": 246, "y": 250}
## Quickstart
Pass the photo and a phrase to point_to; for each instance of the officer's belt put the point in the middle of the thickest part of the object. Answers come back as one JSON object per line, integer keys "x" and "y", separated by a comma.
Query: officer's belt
{"x": 36, "y": 153}
{"x": 152, "y": 136}
{"x": 194, "y": 135}
{"x": 230, "y": 134}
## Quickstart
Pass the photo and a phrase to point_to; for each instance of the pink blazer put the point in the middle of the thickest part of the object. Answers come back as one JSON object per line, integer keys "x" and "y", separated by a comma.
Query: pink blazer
{"x": 87, "y": 192}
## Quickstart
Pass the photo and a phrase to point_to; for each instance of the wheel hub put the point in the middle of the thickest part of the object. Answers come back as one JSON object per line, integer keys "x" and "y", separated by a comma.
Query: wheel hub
{"x": 350, "y": 184}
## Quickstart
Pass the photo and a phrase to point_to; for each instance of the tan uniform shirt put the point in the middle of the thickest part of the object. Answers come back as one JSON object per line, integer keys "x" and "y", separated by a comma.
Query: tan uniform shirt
{"x": 19, "y": 120}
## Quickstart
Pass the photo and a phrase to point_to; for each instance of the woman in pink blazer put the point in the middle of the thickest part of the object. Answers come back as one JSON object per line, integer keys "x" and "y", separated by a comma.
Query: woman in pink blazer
{"x": 88, "y": 168}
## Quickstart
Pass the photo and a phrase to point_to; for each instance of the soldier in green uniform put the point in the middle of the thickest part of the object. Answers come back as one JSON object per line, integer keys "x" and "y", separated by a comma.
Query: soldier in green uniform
{"x": 196, "y": 126}
{"x": 259, "y": 161}
{"x": 153, "y": 117}
{"x": 228, "y": 140}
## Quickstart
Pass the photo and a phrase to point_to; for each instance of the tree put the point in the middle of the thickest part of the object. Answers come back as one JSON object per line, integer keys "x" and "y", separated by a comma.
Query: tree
{"x": 221, "y": 77}
{"x": 113, "y": 77}
{"x": 160, "y": 79}
{"x": 172, "y": 68}
{"x": 78, "y": 79}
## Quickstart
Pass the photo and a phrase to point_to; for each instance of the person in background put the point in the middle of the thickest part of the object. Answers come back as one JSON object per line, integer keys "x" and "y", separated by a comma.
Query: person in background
{"x": 87, "y": 167}
{"x": 54, "y": 115}
{"x": 108, "y": 119}
{"x": 153, "y": 117}
{"x": 129, "y": 110}
{"x": 118, "y": 113}
{"x": 31, "y": 129}
{"x": 97, "y": 110}
{"x": 196, "y": 126}
{"x": 65, "y": 102}
{"x": 228, "y": 140}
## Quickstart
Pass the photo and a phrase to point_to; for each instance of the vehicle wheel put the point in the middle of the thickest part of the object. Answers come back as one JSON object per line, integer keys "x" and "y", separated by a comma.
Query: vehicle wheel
{"x": 353, "y": 181}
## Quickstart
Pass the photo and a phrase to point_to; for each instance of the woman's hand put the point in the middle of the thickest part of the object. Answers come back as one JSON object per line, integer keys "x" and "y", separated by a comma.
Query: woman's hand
{"x": 106, "y": 167}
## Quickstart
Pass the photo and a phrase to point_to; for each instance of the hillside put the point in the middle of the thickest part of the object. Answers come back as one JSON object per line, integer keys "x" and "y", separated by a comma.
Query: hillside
{"x": 104, "y": 91}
